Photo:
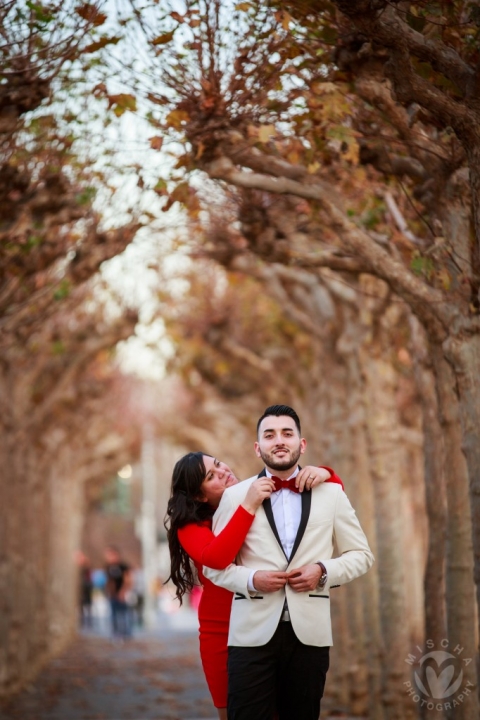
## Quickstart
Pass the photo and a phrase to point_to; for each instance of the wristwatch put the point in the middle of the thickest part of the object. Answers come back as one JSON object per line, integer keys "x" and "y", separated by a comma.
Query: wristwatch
{"x": 323, "y": 576}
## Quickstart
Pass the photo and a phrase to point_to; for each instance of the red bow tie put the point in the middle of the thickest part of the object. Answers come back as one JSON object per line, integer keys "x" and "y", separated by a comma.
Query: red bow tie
{"x": 285, "y": 484}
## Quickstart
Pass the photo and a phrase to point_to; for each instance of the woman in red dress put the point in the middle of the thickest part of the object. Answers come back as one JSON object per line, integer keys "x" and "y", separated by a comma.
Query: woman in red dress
{"x": 198, "y": 483}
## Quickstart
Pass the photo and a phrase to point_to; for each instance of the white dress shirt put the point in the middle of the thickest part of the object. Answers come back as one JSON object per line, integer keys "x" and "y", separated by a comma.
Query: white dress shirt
{"x": 287, "y": 513}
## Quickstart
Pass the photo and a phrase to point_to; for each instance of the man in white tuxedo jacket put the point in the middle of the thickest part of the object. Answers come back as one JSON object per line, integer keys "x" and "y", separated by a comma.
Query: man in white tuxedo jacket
{"x": 280, "y": 628}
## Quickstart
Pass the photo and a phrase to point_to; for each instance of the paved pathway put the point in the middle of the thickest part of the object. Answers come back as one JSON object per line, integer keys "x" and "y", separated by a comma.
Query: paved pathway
{"x": 154, "y": 676}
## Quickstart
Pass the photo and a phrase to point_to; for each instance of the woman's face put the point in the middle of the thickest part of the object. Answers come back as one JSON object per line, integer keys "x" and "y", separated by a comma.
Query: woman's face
{"x": 218, "y": 478}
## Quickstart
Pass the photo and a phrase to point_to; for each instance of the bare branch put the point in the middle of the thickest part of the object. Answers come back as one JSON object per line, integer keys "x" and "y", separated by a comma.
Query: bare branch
{"x": 245, "y": 355}
{"x": 332, "y": 259}
{"x": 429, "y": 303}
{"x": 410, "y": 87}
{"x": 388, "y": 29}
{"x": 400, "y": 221}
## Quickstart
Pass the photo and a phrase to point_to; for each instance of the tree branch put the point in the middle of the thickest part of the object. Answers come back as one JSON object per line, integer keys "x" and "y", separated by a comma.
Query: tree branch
{"x": 400, "y": 221}
{"x": 332, "y": 259}
{"x": 390, "y": 31}
{"x": 425, "y": 152}
{"x": 64, "y": 390}
{"x": 410, "y": 87}
{"x": 430, "y": 304}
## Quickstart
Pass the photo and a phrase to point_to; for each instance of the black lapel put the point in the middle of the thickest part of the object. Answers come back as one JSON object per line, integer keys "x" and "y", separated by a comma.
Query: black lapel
{"x": 267, "y": 506}
{"x": 306, "y": 505}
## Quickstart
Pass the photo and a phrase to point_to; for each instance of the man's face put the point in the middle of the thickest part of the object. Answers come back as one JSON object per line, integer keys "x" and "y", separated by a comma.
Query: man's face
{"x": 111, "y": 556}
{"x": 279, "y": 443}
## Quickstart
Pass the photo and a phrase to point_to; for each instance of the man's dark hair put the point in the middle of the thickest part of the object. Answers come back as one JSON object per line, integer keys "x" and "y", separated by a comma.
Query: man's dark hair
{"x": 277, "y": 411}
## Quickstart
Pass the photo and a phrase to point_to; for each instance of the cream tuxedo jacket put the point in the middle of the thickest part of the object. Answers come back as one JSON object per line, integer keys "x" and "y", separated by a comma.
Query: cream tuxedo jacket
{"x": 327, "y": 518}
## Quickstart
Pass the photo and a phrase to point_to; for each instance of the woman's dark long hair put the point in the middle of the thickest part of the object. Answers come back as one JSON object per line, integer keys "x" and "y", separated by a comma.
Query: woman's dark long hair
{"x": 184, "y": 508}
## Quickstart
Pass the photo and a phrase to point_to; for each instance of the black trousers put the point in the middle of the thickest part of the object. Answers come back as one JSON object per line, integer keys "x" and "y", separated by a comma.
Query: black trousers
{"x": 284, "y": 674}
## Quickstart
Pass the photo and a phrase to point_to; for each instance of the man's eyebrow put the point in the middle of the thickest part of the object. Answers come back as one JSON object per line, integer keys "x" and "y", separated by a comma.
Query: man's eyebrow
{"x": 273, "y": 429}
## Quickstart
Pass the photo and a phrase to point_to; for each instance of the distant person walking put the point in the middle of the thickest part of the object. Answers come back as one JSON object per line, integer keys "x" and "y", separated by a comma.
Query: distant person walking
{"x": 136, "y": 596}
{"x": 86, "y": 588}
{"x": 119, "y": 582}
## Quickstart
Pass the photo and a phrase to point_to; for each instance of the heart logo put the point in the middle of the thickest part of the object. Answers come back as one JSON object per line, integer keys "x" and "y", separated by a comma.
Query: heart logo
{"x": 439, "y": 684}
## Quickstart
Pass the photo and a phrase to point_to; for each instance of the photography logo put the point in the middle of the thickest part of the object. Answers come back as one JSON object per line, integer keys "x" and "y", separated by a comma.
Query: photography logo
{"x": 438, "y": 678}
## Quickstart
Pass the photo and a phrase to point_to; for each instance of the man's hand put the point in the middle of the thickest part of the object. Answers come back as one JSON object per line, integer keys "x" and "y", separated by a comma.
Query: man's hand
{"x": 304, "y": 578}
{"x": 267, "y": 581}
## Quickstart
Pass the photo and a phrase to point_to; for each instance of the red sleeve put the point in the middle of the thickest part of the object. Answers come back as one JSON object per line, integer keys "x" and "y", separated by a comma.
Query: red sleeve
{"x": 333, "y": 476}
{"x": 216, "y": 551}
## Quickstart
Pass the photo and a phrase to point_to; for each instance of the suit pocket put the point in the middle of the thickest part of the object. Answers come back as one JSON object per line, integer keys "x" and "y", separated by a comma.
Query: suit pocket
{"x": 320, "y": 596}
{"x": 240, "y": 596}
{"x": 319, "y": 524}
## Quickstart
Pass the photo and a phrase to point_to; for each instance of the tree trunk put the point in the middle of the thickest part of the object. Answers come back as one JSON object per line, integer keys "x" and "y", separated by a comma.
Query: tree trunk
{"x": 362, "y": 659}
{"x": 384, "y": 449}
{"x": 434, "y": 457}
{"x": 25, "y": 517}
{"x": 41, "y": 512}
{"x": 464, "y": 509}
{"x": 364, "y": 502}
{"x": 434, "y": 465}
{"x": 353, "y": 437}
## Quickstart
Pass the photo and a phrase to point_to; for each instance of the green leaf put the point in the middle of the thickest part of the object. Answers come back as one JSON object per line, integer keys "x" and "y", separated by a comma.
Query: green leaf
{"x": 161, "y": 187}
{"x": 329, "y": 35}
{"x": 41, "y": 12}
{"x": 58, "y": 347}
{"x": 34, "y": 241}
{"x": 63, "y": 290}
{"x": 422, "y": 266}
{"x": 86, "y": 196}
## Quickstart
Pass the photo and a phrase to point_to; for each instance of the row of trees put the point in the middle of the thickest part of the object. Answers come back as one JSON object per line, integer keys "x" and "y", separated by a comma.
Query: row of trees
{"x": 341, "y": 142}
{"x": 324, "y": 157}
{"x": 60, "y": 400}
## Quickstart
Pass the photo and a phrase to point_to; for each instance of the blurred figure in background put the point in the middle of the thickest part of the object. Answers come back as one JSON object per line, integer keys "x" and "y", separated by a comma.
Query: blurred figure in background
{"x": 99, "y": 579}
{"x": 86, "y": 588}
{"x": 136, "y": 596}
{"x": 119, "y": 584}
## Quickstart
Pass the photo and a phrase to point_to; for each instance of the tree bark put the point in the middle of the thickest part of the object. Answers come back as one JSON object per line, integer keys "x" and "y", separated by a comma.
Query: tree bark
{"x": 434, "y": 458}
{"x": 380, "y": 388}
{"x": 435, "y": 495}
{"x": 460, "y": 594}
{"x": 363, "y": 500}
{"x": 465, "y": 357}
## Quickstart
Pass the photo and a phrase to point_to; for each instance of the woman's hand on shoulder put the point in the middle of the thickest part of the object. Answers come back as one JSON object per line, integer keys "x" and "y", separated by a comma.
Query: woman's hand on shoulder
{"x": 311, "y": 476}
{"x": 259, "y": 490}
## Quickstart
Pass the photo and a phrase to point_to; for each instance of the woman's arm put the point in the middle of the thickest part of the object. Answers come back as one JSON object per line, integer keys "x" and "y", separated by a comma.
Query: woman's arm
{"x": 216, "y": 551}
{"x": 311, "y": 476}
